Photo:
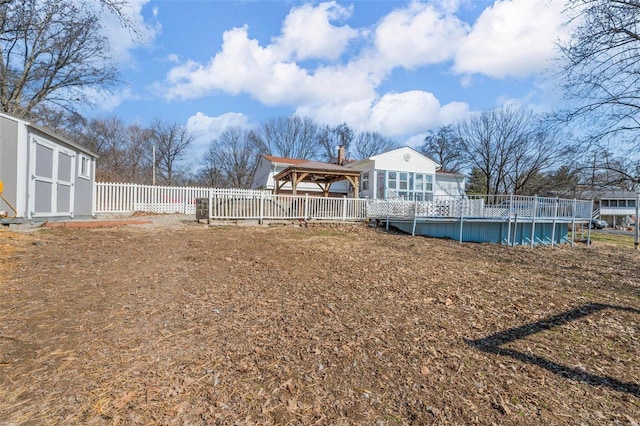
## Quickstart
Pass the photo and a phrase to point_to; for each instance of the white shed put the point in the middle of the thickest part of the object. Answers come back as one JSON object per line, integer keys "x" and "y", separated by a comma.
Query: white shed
{"x": 45, "y": 175}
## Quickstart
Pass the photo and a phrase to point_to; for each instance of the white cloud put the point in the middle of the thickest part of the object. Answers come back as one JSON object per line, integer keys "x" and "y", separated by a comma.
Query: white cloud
{"x": 107, "y": 101}
{"x": 122, "y": 39}
{"x": 307, "y": 32}
{"x": 512, "y": 38}
{"x": 173, "y": 58}
{"x": 415, "y": 111}
{"x": 505, "y": 41}
{"x": 205, "y": 129}
{"x": 243, "y": 66}
{"x": 393, "y": 114}
{"x": 418, "y": 35}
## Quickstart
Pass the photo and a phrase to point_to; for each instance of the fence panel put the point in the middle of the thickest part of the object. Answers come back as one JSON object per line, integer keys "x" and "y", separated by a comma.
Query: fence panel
{"x": 129, "y": 197}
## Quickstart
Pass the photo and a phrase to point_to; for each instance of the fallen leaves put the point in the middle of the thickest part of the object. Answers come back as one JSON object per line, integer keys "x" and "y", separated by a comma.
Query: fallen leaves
{"x": 303, "y": 326}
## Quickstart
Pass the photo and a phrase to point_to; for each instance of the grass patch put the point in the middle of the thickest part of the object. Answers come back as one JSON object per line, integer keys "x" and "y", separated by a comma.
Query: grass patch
{"x": 618, "y": 240}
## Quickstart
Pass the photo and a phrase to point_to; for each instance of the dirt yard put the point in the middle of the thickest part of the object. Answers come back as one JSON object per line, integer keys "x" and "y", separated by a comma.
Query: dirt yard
{"x": 174, "y": 322}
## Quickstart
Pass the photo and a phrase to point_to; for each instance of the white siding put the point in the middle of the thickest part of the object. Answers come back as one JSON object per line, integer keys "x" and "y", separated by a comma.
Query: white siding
{"x": 405, "y": 160}
{"x": 263, "y": 177}
{"x": 448, "y": 184}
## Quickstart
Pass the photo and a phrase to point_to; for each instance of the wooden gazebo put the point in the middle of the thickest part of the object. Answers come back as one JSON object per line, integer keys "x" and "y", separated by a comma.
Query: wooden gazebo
{"x": 322, "y": 174}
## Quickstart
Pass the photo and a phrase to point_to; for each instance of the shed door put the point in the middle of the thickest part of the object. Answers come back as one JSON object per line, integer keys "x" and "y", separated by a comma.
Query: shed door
{"x": 52, "y": 168}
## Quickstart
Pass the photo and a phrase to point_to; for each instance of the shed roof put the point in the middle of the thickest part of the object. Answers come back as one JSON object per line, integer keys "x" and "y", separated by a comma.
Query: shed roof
{"x": 61, "y": 138}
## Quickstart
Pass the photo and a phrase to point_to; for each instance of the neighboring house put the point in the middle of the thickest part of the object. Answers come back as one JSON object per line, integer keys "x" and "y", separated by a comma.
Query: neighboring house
{"x": 400, "y": 173}
{"x": 406, "y": 173}
{"x": 45, "y": 176}
{"x": 618, "y": 208}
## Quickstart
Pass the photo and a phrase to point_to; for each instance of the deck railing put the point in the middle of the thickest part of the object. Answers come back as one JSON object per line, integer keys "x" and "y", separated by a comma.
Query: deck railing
{"x": 483, "y": 207}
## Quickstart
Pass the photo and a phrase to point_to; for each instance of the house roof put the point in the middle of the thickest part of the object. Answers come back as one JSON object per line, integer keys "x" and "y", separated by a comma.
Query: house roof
{"x": 611, "y": 194}
{"x": 448, "y": 173}
{"x": 284, "y": 160}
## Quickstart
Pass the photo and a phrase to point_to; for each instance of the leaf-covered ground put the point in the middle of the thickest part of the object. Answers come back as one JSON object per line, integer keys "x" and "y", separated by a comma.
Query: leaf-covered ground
{"x": 175, "y": 322}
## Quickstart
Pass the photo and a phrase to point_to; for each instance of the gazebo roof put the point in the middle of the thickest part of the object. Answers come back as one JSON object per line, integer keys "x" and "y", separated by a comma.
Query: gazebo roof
{"x": 322, "y": 174}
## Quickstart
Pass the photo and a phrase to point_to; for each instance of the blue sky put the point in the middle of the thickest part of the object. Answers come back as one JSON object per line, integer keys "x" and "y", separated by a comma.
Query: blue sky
{"x": 400, "y": 68}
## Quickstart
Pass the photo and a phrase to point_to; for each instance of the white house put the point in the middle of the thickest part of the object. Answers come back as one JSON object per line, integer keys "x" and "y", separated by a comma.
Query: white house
{"x": 617, "y": 207}
{"x": 405, "y": 173}
{"x": 45, "y": 175}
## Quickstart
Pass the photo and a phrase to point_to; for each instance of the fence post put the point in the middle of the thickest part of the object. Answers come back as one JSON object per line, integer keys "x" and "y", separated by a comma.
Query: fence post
{"x": 461, "y": 218}
{"x": 210, "y": 205}
{"x": 573, "y": 222}
{"x": 533, "y": 220}
{"x": 344, "y": 208}
{"x": 387, "y": 208}
{"x": 553, "y": 230}
{"x": 184, "y": 202}
{"x": 306, "y": 206}
{"x": 509, "y": 226}
{"x": 415, "y": 218}
{"x": 135, "y": 197}
{"x": 589, "y": 225}
{"x": 261, "y": 214}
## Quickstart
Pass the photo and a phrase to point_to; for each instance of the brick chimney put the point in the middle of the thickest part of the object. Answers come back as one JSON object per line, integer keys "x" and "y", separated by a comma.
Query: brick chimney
{"x": 341, "y": 155}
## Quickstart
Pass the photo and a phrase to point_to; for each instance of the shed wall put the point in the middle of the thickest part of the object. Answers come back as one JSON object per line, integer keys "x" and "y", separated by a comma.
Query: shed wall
{"x": 84, "y": 188}
{"x": 9, "y": 161}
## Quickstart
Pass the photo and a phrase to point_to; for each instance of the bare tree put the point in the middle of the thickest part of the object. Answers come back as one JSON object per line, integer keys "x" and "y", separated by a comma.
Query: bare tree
{"x": 601, "y": 68}
{"x": 211, "y": 173}
{"x": 330, "y": 138}
{"x": 602, "y": 170}
{"x": 63, "y": 122}
{"x": 290, "y": 137}
{"x": 107, "y": 137}
{"x": 445, "y": 148}
{"x": 235, "y": 155}
{"x": 139, "y": 152}
{"x": 368, "y": 144}
{"x": 510, "y": 146}
{"x": 50, "y": 51}
{"x": 124, "y": 151}
{"x": 171, "y": 141}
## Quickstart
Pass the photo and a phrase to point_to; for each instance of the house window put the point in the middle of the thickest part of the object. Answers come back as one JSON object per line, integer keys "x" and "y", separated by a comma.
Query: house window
{"x": 364, "y": 185}
{"x": 407, "y": 185}
{"x": 380, "y": 192}
{"x": 404, "y": 181}
{"x": 391, "y": 181}
{"x": 419, "y": 186}
{"x": 84, "y": 167}
{"x": 631, "y": 203}
{"x": 428, "y": 183}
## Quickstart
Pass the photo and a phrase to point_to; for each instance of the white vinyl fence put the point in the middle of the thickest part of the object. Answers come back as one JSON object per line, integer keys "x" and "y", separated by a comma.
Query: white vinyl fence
{"x": 130, "y": 197}
{"x": 223, "y": 203}
{"x": 261, "y": 205}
